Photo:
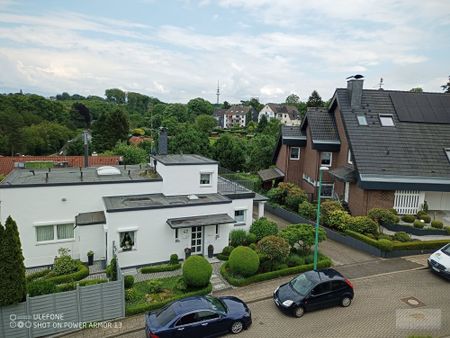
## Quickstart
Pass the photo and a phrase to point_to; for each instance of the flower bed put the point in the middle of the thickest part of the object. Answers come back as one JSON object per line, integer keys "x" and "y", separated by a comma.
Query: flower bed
{"x": 160, "y": 268}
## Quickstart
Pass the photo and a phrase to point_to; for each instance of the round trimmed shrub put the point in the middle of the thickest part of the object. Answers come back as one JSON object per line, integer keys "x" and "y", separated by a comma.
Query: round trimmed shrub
{"x": 173, "y": 259}
{"x": 426, "y": 218}
{"x": 263, "y": 227}
{"x": 307, "y": 210}
{"x": 128, "y": 281}
{"x": 385, "y": 244}
{"x": 274, "y": 249}
{"x": 363, "y": 225}
{"x": 437, "y": 224}
{"x": 408, "y": 219}
{"x": 383, "y": 216}
{"x": 197, "y": 271}
{"x": 338, "y": 219}
{"x": 402, "y": 236}
{"x": 41, "y": 287}
{"x": 421, "y": 213}
{"x": 227, "y": 250}
{"x": 243, "y": 261}
{"x": 419, "y": 224}
{"x": 326, "y": 208}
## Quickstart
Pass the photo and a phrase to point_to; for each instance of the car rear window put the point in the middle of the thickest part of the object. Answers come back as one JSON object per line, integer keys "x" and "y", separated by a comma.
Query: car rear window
{"x": 301, "y": 284}
{"x": 165, "y": 316}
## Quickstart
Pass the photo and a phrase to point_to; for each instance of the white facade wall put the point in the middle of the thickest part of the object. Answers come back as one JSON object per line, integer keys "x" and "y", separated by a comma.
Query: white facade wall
{"x": 437, "y": 200}
{"x": 185, "y": 179}
{"x": 34, "y": 206}
{"x": 266, "y": 111}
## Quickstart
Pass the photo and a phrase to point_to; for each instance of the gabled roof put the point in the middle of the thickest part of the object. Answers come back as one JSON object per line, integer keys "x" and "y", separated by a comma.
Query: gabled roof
{"x": 290, "y": 135}
{"x": 270, "y": 174}
{"x": 279, "y": 108}
{"x": 322, "y": 126}
{"x": 409, "y": 155}
{"x": 238, "y": 109}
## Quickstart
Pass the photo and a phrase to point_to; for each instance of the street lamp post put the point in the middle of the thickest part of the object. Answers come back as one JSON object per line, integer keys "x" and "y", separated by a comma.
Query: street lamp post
{"x": 316, "y": 242}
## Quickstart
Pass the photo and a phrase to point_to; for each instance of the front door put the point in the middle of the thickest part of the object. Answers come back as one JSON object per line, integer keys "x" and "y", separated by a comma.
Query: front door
{"x": 197, "y": 240}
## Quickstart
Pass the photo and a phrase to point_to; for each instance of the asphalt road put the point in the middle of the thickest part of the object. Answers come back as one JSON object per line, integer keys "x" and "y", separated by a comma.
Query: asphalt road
{"x": 377, "y": 311}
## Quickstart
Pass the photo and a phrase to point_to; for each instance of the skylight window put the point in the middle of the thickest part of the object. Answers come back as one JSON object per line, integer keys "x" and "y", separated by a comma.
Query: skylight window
{"x": 387, "y": 121}
{"x": 447, "y": 152}
{"x": 362, "y": 120}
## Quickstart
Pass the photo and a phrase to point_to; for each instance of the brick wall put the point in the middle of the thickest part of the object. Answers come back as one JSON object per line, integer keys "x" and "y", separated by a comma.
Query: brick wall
{"x": 361, "y": 201}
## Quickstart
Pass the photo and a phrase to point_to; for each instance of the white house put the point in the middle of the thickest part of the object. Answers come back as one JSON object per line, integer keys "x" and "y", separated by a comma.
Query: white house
{"x": 144, "y": 214}
{"x": 288, "y": 115}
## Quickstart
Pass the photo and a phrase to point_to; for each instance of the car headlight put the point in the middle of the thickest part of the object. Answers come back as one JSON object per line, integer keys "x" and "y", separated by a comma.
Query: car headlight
{"x": 288, "y": 303}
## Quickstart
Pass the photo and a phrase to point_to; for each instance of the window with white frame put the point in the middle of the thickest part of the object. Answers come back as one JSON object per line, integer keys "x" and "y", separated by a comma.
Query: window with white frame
{"x": 387, "y": 121}
{"x": 205, "y": 178}
{"x": 327, "y": 190}
{"x": 326, "y": 158}
{"x": 309, "y": 179}
{"x": 447, "y": 152}
{"x": 54, "y": 232}
{"x": 362, "y": 121}
{"x": 239, "y": 217}
{"x": 295, "y": 153}
{"x": 177, "y": 239}
{"x": 127, "y": 240}
{"x": 349, "y": 157}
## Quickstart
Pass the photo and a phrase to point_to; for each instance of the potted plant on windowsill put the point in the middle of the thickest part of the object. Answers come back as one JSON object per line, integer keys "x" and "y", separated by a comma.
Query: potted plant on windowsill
{"x": 90, "y": 256}
{"x": 127, "y": 242}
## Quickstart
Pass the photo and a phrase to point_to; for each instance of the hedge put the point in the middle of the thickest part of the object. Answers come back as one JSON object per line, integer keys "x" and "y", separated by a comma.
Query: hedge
{"x": 373, "y": 242}
{"x": 160, "y": 268}
{"x": 93, "y": 281}
{"x": 139, "y": 308}
{"x": 83, "y": 271}
{"x": 222, "y": 257}
{"x": 38, "y": 274}
{"x": 324, "y": 263}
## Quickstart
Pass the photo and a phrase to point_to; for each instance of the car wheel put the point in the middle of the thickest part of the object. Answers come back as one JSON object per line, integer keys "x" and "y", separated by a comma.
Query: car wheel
{"x": 346, "y": 301}
{"x": 299, "y": 311}
{"x": 237, "y": 327}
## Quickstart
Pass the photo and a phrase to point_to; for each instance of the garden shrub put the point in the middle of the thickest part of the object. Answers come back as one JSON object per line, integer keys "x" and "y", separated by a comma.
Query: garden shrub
{"x": 383, "y": 216}
{"x": 95, "y": 281}
{"x": 288, "y": 194}
{"x": 66, "y": 287}
{"x": 326, "y": 208}
{"x": 385, "y": 245}
{"x": 82, "y": 272}
{"x": 293, "y": 201}
{"x": 41, "y": 287}
{"x": 160, "y": 268}
{"x": 338, "y": 219}
{"x": 243, "y": 261}
{"x": 382, "y": 244}
{"x": 384, "y": 236}
{"x": 252, "y": 246}
{"x": 64, "y": 264}
{"x": 238, "y": 237}
{"x": 128, "y": 281}
{"x": 448, "y": 230}
{"x": 276, "y": 195}
{"x": 197, "y": 271}
{"x": 280, "y": 266}
{"x": 155, "y": 285}
{"x": 251, "y": 238}
{"x": 302, "y": 236}
{"x": 131, "y": 295}
{"x": 173, "y": 259}
{"x": 421, "y": 213}
{"x": 38, "y": 274}
{"x": 363, "y": 225}
{"x": 307, "y": 210}
{"x": 421, "y": 245}
{"x": 227, "y": 250}
{"x": 263, "y": 227}
{"x": 295, "y": 260}
{"x": 402, "y": 236}
{"x": 408, "y": 219}
{"x": 181, "y": 284}
{"x": 437, "y": 224}
{"x": 426, "y": 218}
{"x": 111, "y": 269}
{"x": 275, "y": 249}
{"x": 419, "y": 224}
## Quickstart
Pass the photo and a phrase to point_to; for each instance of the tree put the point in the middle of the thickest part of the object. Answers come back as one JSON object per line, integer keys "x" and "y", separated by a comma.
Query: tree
{"x": 262, "y": 124}
{"x": 230, "y": 152}
{"x": 205, "y": 123}
{"x": 75, "y": 147}
{"x": 110, "y": 128}
{"x": 226, "y": 105}
{"x": 261, "y": 148}
{"x": 249, "y": 117}
{"x": 254, "y": 102}
{"x": 80, "y": 115}
{"x": 416, "y": 90}
{"x": 115, "y": 95}
{"x": 314, "y": 100}
{"x": 131, "y": 154}
{"x": 178, "y": 111}
{"x": 12, "y": 268}
{"x": 301, "y": 235}
{"x": 137, "y": 102}
{"x": 274, "y": 249}
{"x": 446, "y": 87}
{"x": 199, "y": 106}
{"x": 189, "y": 141}
{"x": 293, "y": 99}
{"x": 45, "y": 138}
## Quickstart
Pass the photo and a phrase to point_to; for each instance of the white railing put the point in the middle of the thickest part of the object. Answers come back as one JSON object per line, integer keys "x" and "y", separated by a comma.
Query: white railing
{"x": 408, "y": 202}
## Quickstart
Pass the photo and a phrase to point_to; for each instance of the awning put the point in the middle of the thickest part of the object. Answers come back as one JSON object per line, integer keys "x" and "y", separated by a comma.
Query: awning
{"x": 270, "y": 174}
{"x": 260, "y": 198}
{"x": 88, "y": 218}
{"x": 187, "y": 222}
{"x": 345, "y": 174}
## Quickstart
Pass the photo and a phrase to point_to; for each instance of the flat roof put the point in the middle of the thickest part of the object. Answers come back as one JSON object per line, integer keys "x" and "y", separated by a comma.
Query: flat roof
{"x": 159, "y": 201}
{"x": 187, "y": 222}
{"x": 89, "y": 218}
{"x": 182, "y": 159}
{"x": 75, "y": 176}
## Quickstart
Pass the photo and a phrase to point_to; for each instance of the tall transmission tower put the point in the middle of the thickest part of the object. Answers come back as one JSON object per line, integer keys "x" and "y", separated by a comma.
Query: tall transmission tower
{"x": 218, "y": 92}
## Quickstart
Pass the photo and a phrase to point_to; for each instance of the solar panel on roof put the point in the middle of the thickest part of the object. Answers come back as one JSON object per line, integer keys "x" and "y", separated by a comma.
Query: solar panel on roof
{"x": 421, "y": 107}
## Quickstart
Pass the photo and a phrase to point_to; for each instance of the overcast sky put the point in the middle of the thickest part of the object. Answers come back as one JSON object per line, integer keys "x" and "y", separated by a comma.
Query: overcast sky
{"x": 178, "y": 50}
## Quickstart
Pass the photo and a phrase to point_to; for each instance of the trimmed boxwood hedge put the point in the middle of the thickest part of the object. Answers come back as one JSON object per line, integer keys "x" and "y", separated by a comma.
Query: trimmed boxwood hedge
{"x": 324, "y": 263}
{"x": 160, "y": 268}
{"x": 95, "y": 281}
{"x": 382, "y": 244}
{"x": 38, "y": 274}
{"x": 222, "y": 257}
{"x": 135, "y": 309}
{"x": 83, "y": 271}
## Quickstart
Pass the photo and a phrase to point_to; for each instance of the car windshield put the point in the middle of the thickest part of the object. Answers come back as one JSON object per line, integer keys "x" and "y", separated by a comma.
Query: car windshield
{"x": 446, "y": 250}
{"x": 216, "y": 304}
{"x": 301, "y": 284}
{"x": 165, "y": 315}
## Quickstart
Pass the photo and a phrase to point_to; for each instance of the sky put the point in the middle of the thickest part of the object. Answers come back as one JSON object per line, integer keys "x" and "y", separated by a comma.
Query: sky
{"x": 179, "y": 50}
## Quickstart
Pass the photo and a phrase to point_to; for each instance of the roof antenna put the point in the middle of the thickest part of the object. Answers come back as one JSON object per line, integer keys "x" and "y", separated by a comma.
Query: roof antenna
{"x": 380, "y": 84}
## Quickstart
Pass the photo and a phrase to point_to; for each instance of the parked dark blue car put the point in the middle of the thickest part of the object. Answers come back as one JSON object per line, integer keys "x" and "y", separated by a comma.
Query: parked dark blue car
{"x": 198, "y": 317}
{"x": 314, "y": 290}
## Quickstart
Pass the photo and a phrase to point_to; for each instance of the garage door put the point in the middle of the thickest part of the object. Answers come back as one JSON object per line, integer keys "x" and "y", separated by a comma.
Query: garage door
{"x": 438, "y": 200}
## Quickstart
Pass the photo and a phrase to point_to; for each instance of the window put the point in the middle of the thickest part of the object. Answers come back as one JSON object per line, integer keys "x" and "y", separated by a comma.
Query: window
{"x": 176, "y": 236}
{"x": 349, "y": 157}
{"x": 239, "y": 216}
{"x": 295, "y": 153}
{"x": 207, "y": 315}
{"x": 217, "y": 230}
{"x": 54, "y": 232}
{"x": 309, "y": 180}
{"x": 447, "y": 152}
{"x": 362, "y": 120}
{"x": 205, "y": 179}
{"x": 338, "y": 285}
{"x": 387, "y": 121}
{"x": 321, "y": 288}
{"x": 127, "y": 240}
{"x": 326, "y": 158}
{"x": 188, "y": 319}
{"x": 327, "y": 190}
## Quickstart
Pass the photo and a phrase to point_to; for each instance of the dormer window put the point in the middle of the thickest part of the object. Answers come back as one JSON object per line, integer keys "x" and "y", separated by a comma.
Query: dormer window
{"x": 362, "y": 121}
{"x": 447, "y": 152}
{"x": 387, "y": 121}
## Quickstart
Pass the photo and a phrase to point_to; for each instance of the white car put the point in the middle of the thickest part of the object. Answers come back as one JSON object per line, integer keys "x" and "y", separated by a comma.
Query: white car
{"x": 439, "y": 261}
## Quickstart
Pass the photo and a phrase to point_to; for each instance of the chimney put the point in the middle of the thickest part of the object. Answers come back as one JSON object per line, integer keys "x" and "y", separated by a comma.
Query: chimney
{"x": 355, "y": 88}
{"x": 86, "y": 149}
{"x": 162, "y": 142}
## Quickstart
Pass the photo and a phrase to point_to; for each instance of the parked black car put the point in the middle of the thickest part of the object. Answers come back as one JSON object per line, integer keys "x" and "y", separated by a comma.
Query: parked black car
{"x": 198, "y": 317}
{"x": 314, "y": 290}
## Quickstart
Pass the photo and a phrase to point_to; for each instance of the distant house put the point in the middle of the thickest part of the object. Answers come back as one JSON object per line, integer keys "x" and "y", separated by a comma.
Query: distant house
{"x": 383, "y": 148}
{"x": 236, "y": 116}
{"x": 219, "y": 116}
{"x": 288, "y": 115}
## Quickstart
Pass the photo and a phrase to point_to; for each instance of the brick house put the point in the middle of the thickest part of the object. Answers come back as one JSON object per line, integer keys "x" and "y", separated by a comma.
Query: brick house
{"x": 384, "y": 148}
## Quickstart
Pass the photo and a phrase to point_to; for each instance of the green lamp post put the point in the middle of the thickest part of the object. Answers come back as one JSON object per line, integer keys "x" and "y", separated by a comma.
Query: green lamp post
{"x": 316, "y": 242}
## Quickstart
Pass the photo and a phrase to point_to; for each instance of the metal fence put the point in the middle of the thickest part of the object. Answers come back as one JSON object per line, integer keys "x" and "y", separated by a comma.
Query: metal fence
{"x": 71, "y": 310}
